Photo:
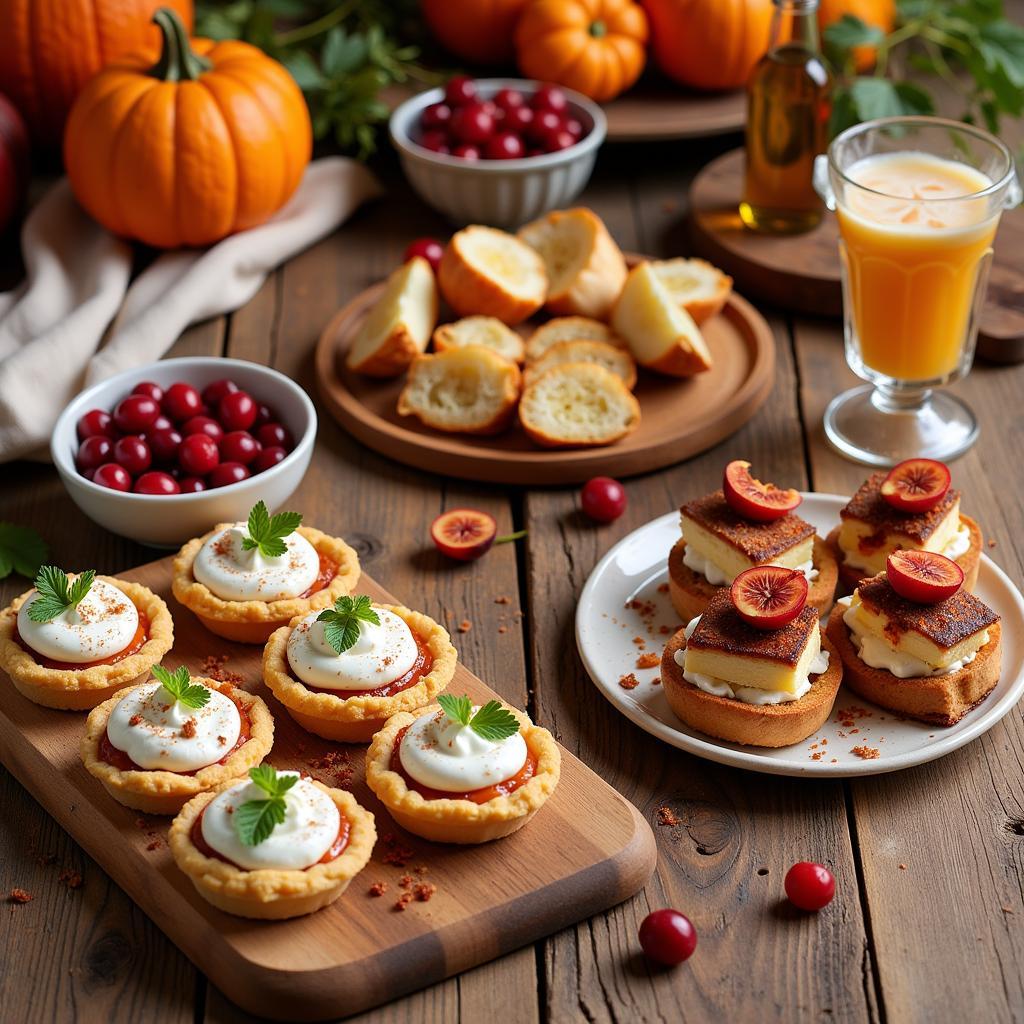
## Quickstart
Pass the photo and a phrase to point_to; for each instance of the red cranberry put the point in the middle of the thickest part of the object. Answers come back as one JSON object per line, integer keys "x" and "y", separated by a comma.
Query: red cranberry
{"x": 466, "y": 151}
{"x": 430, "y": 249}
{"x": 544, "y": 123}
{"x": 157, "y": 483}
{"x": 149, "y": 389}
{"x": 93, "y": 452}
{"x": 160, "y": 423}
{"x": 111, "y": 475}
{"x": 95, "y": 423}
{"x": 236, "y": 411}
{"x": 275, "y": 434}
{"x": 573, "y": 126}
{"x": 518, "y": 119}
{"x": 133, "y": 453}
{"x": 228, "y": 473}
{"x": 603, "y": 499}
{"x": 197, "y": 454}
{"x": 268, "y": 458}
{"x": 164, "y": 444}
{"x": 264, "y": 414}
{"x": 216, "y": 390}
{"x": 182, "y": 401}
{"x": 473, "y": 123}
{"x": 239, "y": 446}
{"x": 509, "y": 99}
{"x": 436, "y": 141}
{"x": 550, "y": 97}
{"x": 88, "y": 473}
{"x": 459, "y": 90}
{"x": 203, "y": 425}
{"x": 505, "y": 146}
{"x": 557, "y": 141}
{"x": 668, "y": 937}
{"x": 191, "y": 484}
{"x": 136, "y": 413}
{"x": 810, "y": 886}
{"x": 437, "y": 115}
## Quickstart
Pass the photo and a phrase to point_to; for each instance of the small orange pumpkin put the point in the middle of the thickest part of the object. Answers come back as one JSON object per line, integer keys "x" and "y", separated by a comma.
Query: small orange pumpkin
{"x": 49, "y": 49}
{"x": 479, "y": 31}
{"x": 709, "y": 44}
{"x": 211, "y": 140}
{"x": 880, "y": 13}
{"x": 593, "y": 46}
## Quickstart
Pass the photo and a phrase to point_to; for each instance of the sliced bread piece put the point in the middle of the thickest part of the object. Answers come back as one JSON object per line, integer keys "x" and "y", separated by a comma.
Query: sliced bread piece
{"x": 569, "y": 328}
{"x": 661, "y": 335}
{"x": 492, "y": 273}
{"x": 585, "y": 267}
{"x": 618, "y": 360}
{"x": 469, "y": 390}
{"x": 578, "y": 405}
{"x": 488, "y": 331}
{"x": 398, "y": 327}
{"x": 700, "y": 288}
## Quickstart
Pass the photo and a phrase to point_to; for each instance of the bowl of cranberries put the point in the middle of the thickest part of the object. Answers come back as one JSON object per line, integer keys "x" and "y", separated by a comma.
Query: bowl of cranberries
{"x": 165, "y": 452}
{"x": 497, "y": 151}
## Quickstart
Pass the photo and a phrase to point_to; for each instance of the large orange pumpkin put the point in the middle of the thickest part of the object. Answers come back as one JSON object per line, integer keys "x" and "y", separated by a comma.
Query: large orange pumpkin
{"x": 709, "y": 44}
{"x": 593, "y": 46}
{"x": 49, "y": 49}
{"x": 209, "y": 141}
{"x": 880, "y": 13}
{"x": 479, "y": 31}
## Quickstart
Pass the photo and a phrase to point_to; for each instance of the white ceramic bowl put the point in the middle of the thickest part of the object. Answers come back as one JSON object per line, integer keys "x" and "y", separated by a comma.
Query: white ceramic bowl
{"x": 169, "y": 520}
{"x": 502, "y": 193}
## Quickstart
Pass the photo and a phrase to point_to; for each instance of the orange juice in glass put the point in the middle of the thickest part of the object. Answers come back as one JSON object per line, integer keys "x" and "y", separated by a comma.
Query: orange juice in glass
{"x": 918, "y": 202}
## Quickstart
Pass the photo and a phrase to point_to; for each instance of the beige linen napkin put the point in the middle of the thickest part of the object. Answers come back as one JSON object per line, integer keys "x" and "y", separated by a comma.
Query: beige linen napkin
{"x": 77, "y": 285}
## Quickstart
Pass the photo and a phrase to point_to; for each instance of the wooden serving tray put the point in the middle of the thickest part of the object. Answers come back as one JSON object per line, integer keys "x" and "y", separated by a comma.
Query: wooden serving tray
{"x": 679, "y": 417}
{"x": 586, "y": 849}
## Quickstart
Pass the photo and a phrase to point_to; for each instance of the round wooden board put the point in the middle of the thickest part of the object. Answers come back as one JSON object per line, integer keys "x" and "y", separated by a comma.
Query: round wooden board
{"x": 679, "y": 417}
{"x": 656, "y": 109}
{"x": 801, "y": 272}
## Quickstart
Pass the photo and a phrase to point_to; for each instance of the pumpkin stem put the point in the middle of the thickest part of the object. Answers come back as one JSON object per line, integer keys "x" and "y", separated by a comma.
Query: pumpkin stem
{"x": 598, "y": 29}
{"x": 177, "y": 60}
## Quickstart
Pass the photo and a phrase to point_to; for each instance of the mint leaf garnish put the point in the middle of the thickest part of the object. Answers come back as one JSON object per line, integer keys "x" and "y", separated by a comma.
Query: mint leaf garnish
{"x": 56, "y": 594}
{"x": 341, "y": 623}
{"x": 458, "y": 709}
{"x": 492, "y": 721}
{"x": 256, "y": 819}
{"x": 267, "y": 532}
{"x": 180, "y": 686}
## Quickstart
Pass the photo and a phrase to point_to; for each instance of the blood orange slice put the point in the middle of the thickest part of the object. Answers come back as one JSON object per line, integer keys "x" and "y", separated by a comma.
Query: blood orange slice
{"x": 769, "y": 596}
{"x": 916, "y": 485}
{"x": 752, "y": 499}
{"x": 923, "y": 576}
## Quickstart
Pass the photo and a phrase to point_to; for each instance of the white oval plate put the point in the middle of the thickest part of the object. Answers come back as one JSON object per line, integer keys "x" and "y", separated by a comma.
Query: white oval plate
{"x": 633, "y": 570}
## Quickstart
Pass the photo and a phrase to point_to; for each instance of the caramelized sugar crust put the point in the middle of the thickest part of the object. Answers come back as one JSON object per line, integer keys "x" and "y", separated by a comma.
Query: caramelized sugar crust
{"x": 759, "y": 542}
{"x": 870, "y": 507}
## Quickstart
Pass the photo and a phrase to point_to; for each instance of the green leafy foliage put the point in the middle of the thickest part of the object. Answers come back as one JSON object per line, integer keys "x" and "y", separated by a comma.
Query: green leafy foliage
{"x": 341, "y": 623}
{"x": 180, "y": 686}
{"x": 22, "y": 550}
{"x": 267, "y": 532}
{"x": 255, "y": 820}
{"x": 492, "y": 721}
{"x": 56, "y": 593}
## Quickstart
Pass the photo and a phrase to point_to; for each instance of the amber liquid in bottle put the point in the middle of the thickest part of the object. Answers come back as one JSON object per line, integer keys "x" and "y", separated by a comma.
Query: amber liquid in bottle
{"x": 787, "y": 116}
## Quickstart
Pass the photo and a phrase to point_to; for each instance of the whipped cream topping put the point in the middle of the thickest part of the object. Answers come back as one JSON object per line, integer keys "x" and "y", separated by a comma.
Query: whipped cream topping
{"x": 311, "y": 824}
{"x": 748, "y": 694}
{"x": 958, "y": 545}
{"x": 234, "y": 574}
{"x": 718, "y": 577}
{"x": 876, "y": 652}
{"x": 101, "y": 626}
{"x": 152, "y": 728}
{"x": 446, "y": 755}
{"x": 381, "y": 655}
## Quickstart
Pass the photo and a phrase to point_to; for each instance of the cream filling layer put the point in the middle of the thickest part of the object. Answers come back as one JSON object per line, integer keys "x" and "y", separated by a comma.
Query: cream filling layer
{"x": 951, "y": 538}
{"x": 751, "y": 694}
{"x": 311, "y": 824}
{"x": 451, "y": 757}
{"x": 381, "y": 654}
{"x": 231, "y": 572}
{"x": 149, "y": 725}
{"x": 719, "y": 577}
{"x": 101, "y": 626}
{"x": 728, "y": 561}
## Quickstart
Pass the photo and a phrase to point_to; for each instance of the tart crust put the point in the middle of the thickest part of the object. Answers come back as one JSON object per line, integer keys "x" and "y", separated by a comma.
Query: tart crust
{"x": 938, "y": 700}
{"x": 356, "y": 719}
{"x": 156, "y": 791}
{"x": 272, "y": 894}
{"x": 252, "y": 622}
{"x": 71, "y": 689}
{"x": 754, "y": 725}
{"x": 690, "y": 591}
{"x": 462, "y": 821}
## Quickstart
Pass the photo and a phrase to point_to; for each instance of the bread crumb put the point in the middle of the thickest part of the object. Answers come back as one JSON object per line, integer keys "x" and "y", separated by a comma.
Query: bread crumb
{"x": 866, "y": 753}
{"x": 648, "y": 660}
{"x": 663, "y": 588}
{"x": 20, "y": 896}
{"x": 378, "y": 888}
{"x": 992, "y": 543}
{"x": 403, "y": 901}
{"x": 656, "y": 681}
{"x": 903, "y": 867}
{"x": 503, "y": 599}
{"x": 153, "y": 844}
{"x": 629, "y": 681}
{"x": 666, "y": 816}
{"x": 72, "y": 879}
{"x": 465, "y": 626}
{"x": 188, "y": 729}
{"x": 503, "y": 629}
{"x": 425, "y": 891}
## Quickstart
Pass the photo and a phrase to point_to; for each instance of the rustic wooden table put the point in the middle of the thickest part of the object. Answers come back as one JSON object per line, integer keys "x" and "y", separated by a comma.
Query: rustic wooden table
{"x": 928, "y": 922}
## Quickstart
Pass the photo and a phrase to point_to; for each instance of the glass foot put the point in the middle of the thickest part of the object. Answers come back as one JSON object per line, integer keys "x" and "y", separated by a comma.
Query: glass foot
{"x": 880, "y": 427}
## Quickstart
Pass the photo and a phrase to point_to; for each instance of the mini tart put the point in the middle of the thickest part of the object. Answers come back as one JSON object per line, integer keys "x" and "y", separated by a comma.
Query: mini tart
{"x": 155, "y": 791}
{"x": 753, "y": 725}
{"x": 938, "y": 700}
{"x": 272, "y": 894}
{"x": 690, "y": 591}
{"x": 968, "y": 561}
{"x": 252, "y": 622}
{"x": 78, "y": 689}
{"x": 355, "y": 719}
{"x": 462, "y": 821}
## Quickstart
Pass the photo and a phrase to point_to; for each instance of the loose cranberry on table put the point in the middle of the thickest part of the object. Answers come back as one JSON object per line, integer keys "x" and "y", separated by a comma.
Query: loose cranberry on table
{"x": 237, "y": 411}
{"x": 149, "y": 389}
{"x": 202, "y": 425}
{"x": 810, "y": 886}
{"x": 668, "y": 937}
{"x": 429, "y": 249}
{"x": 198, "y": 454}
{"x": 157, "y": 483}
{"x": 96, "y": 423}
{"x": 216, "y": 390}
{"x": 227, "y": 473}
{"x": 268, "y": 458}
{"x": 136, "y": 413}
{"x": 459, "y": 90}
{"x": 93, "y": 452}
{"x": 274, "y": 434}
{"x": 239, "y": 446}
{"x": 111, "y": 475}
{"x": 182, "y": 401}
{"x": 603, "y": 499}
{"x": 133, "y": 453}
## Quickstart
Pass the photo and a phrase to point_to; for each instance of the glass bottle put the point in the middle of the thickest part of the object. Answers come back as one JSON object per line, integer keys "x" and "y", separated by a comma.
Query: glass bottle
{"x": 787, "y": 117}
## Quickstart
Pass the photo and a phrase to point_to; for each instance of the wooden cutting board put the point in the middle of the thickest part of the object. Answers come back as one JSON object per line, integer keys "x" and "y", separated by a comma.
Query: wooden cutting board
{"x": 586, "y": 849}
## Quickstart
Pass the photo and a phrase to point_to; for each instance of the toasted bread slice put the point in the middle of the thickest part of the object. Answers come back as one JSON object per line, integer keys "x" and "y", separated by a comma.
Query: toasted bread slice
{"x": 700, "y": 288}
{"x": 469, "y": 390}
{"x": 488, "y": 331}
{"x": 578, "y": 405}
{"x": 661, "y": 335}
{"x": 569, "y": 328}
{"x": 492, "y": 273}
{"x": 618, "y": 360}
{"x": 398, "y": 327}
{"x": 938, "y": 700}
{"x": 585, "y": 267}
{"x": 753, "y": 725}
